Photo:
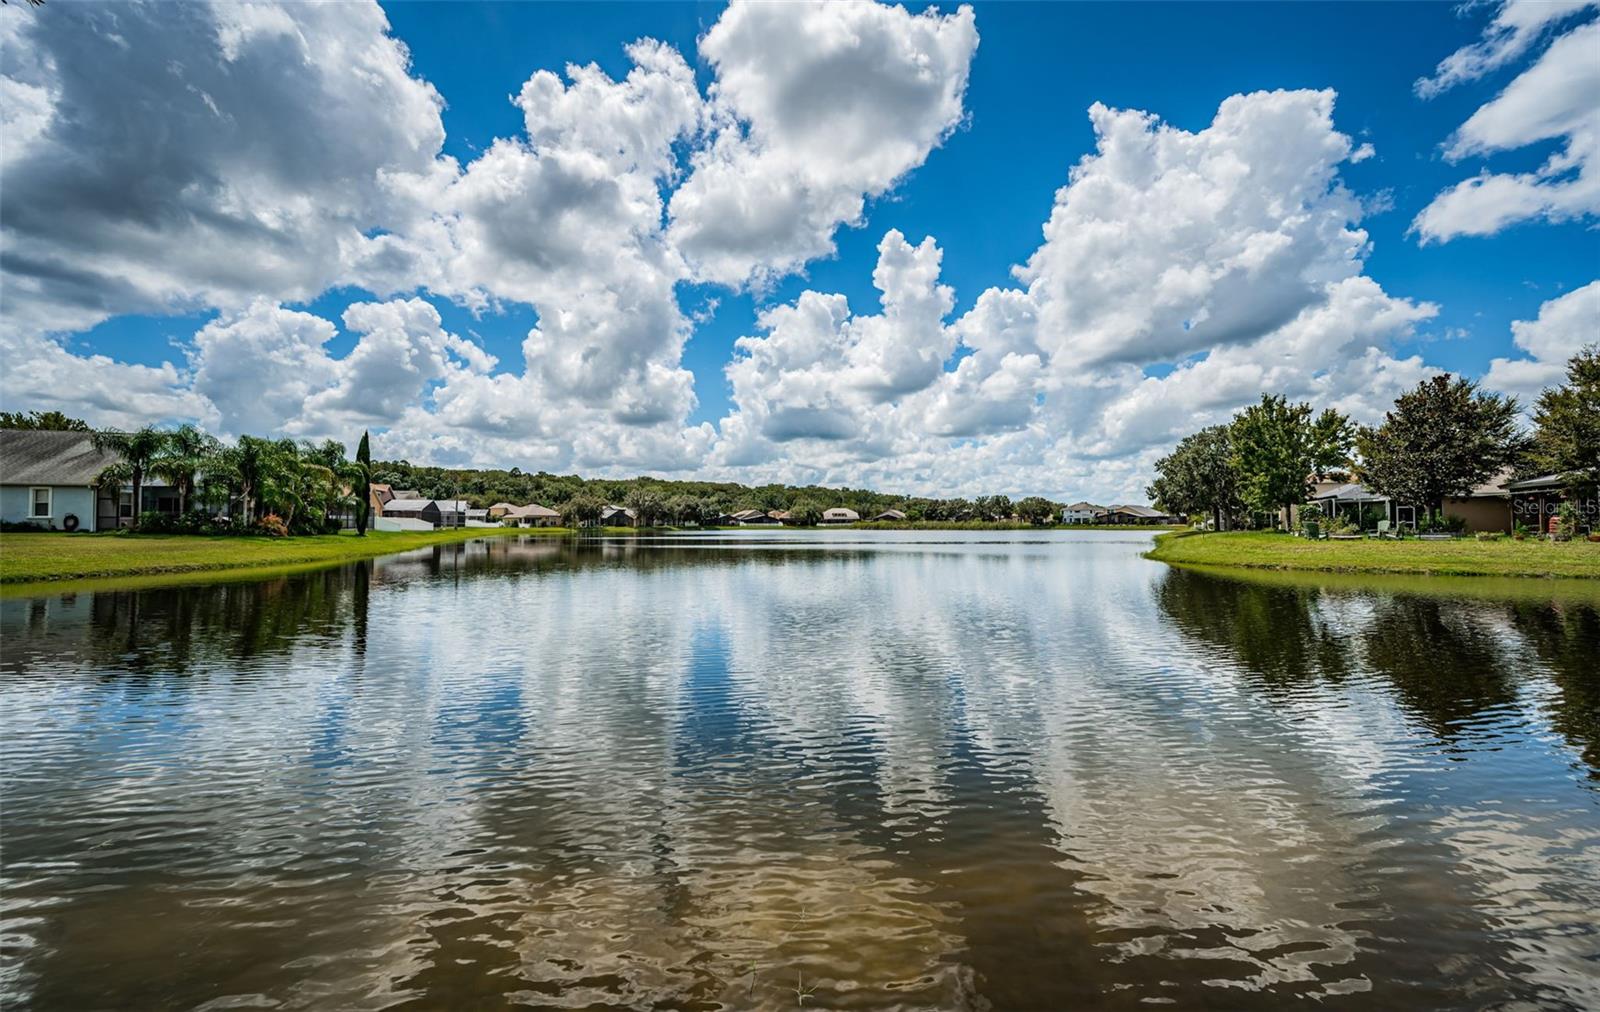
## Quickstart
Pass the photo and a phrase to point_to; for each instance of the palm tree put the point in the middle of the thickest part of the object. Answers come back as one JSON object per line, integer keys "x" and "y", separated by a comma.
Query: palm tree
{"x": 138, "y": 450}
{"x": 187, "y": 450}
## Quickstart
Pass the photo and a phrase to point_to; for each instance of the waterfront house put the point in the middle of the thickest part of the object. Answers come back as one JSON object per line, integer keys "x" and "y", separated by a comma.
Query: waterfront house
{"x": 477, "y": 518}
{"x": 618, "y": 516}
{"x": 744, "y": 517}
{"x": 890, "y": 516}
{"x": 532, "y": 515}
{"x": 1082, "y": 513}
{"x": 501, "y": 509}
{"x": 840, "y": 515}
{"x": 48, "y": 479}
{"x": 425, "y": 510}
{"x": 1131, "y": 514}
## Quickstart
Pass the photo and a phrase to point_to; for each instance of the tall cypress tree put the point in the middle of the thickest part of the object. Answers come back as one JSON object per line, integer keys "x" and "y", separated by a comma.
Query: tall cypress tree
{"x": 364, "y": 486}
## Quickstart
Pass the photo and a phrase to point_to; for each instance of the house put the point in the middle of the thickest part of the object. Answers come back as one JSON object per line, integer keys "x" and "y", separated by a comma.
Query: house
{"x": 724, "y": 520}
{"x": 744, "y": 517}
{"x": 48, "y": 479}
{"x": 892, "y": 516}
{"x": 1130, "y": 514}
{"x": 1082, "y": 513}
{"x": 404, "y": 493}
{"x": 478, "y": 518}
{"x": 1488, "y": 507}
{"x": 501, "y": 509}
{"x": 1534, "y": 501}
{"x": 840, "y": 515}
{"x": 782, "y": 516}
{"x": 531, "y": 515}
{"x": 425, "y": 510}
{"x": 378, "y": 495}
{"x": 452, "y": 512}
{"x": 618, "y": 516}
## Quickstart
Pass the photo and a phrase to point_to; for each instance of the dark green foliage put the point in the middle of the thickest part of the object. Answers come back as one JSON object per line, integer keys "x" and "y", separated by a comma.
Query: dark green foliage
{"x": 1566, "y": 439}
{"x": 1036, "y": 510}
{"x": 1198, "y": 477}
{"x": 50, "y": 421}
{"x": 1276, "y": 447}
{"x": 363, "y": 472}
{"x": 1439, "y": 441}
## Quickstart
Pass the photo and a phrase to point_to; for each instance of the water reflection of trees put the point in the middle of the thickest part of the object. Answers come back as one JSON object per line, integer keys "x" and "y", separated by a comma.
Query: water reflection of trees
{"x": 1448, "y": 661}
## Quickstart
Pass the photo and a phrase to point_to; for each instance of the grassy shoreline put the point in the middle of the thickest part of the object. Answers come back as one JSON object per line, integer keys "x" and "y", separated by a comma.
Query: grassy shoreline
{"x": 51, "y": 557}
{"x": 1462, "y": 557}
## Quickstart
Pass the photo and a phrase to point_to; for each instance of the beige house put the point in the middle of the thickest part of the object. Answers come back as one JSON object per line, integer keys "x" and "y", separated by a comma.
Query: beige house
{"x": 840, "y": 515}
{"x": 531, "y": 515}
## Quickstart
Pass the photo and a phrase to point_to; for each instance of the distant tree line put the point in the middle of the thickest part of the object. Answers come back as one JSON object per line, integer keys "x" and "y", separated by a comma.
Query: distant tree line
{"x": 307, "y": 486}
{"x": 1439, "y": 441}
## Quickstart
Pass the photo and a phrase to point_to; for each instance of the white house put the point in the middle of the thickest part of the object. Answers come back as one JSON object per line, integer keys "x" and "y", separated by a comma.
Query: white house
{"x": 48, "y": 479}
{"x": 840, "y": 515}
{"x": 1082, "y": 513}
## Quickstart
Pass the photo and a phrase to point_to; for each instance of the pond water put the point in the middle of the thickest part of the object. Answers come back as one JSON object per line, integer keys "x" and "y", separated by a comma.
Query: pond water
{"x": 812, "y": 769}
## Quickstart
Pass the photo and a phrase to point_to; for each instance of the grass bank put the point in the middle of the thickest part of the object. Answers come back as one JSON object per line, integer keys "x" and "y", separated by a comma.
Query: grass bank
{"x": 32, "y": 558}
{"x": 1461, "y": 557}
{"x": 992, "y": 525}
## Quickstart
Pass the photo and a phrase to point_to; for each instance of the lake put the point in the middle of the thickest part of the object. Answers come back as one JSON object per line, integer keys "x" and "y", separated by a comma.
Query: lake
{"x": 831, "y": 769}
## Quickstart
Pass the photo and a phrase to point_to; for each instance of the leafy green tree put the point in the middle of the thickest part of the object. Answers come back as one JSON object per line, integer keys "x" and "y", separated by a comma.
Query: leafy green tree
{"x": 647, "y": 505}
{"x": 139, "y": 450}
{"x": 363, "y": 474}
{"x": 806, "y": 511}
{"x": 1198, "y": 477}
{"x": 582, "y": 510}
{"x": 1277, "y": 446}
{"x": 1036, "y": 510}
{"x": 1566, "y": 439}
{"x": 1439, "y": 441}
{"x": 48, "y": 421}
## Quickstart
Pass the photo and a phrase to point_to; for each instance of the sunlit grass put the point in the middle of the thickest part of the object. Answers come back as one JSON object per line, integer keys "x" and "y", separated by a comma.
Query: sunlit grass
{"x": 1459, "y": 557}
{"x": 27, "y": 557}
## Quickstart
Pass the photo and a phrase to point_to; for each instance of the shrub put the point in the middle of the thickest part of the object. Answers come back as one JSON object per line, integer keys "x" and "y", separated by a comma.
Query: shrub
{"x": 272, "y": 526}
{"x": 1489, "y": 535}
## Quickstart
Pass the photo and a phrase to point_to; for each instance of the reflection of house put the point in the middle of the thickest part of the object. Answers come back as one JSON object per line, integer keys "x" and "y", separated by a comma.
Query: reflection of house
{"x": 47, "y": 477}
{"x": 889, "y": 515}
{"x": 840, "y": 515}
{"x": 1082, "y": 513}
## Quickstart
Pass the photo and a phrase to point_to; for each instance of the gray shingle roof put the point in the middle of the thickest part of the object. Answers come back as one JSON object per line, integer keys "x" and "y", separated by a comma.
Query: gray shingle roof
{"x": 29, "y": 457}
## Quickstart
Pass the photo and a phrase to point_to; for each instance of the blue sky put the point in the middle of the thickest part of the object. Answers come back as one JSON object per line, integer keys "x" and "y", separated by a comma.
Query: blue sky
{"x": 983, "y": 191}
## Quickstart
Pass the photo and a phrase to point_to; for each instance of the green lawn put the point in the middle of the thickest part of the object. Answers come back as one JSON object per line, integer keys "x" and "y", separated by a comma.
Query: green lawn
{"x": 26, "y": 557}
{"x": 1461, "y": 557}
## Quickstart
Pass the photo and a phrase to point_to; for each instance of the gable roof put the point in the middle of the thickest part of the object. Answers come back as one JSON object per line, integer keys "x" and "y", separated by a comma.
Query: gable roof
{"x": 533, "y": 509}
{"x": 406, "y": 505}
{"x": 1084, "y": 507}
{"x": 1138, "y": 511}
{"x": 31, "y": 457}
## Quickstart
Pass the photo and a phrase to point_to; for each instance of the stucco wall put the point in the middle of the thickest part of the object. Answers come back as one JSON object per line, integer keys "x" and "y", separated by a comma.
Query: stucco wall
{"x": 1481, "y": 514}
{"x": 14, "y": 505}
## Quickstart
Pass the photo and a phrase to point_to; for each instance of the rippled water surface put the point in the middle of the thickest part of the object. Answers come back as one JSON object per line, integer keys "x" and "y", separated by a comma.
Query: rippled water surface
{"x": 829, "y": 770}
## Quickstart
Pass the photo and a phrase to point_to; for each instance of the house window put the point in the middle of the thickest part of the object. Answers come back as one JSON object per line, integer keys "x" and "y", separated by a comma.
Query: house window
{"x": 125, "y": 505}
{"x": 39, "y": 502}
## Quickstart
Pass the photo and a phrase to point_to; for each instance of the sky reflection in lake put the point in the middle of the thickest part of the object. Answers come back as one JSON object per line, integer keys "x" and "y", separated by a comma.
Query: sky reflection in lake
{"x": 884, "y": 770}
